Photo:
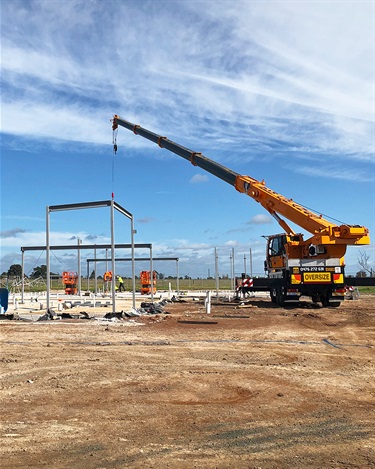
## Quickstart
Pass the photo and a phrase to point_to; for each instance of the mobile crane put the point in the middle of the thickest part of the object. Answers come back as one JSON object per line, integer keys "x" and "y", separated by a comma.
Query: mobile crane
{"x": 295, "y": 266}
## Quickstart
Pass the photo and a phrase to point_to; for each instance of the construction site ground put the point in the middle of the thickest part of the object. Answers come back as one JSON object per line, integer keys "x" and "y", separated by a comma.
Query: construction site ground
{"x": 250, "y": 385}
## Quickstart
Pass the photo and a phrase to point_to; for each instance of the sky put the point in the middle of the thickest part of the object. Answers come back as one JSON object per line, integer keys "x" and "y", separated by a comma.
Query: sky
{"x": 282, "y": 91}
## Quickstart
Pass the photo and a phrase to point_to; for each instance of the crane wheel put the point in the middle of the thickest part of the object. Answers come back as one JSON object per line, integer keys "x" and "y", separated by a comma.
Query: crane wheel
{"x": 329, "y": 304}
{"x": 334, "y": 304}
{"x": 280, "y": 297}
{"x": 273, "y": 296}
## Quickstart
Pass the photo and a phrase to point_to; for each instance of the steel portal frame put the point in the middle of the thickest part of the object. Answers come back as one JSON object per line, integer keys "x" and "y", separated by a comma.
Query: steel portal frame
{"x": 67, "y": 247}
{"x": 86, "y": 205}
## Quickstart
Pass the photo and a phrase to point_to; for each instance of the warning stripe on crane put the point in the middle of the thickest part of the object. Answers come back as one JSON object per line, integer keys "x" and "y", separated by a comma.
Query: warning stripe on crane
{"x": 248, "y": 282}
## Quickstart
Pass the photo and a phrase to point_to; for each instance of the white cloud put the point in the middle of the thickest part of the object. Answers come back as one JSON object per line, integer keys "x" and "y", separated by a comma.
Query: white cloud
{"x": 198, "y": 178}
{"x": 273, "y": 71}
{"x": 338, "y": 172}
{"x": 231, "y": 243}
{"x": 24, "y": 238}
{"x": 261, "y": 219}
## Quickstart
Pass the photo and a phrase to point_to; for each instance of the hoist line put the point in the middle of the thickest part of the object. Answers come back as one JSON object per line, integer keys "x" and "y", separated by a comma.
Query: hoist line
{"x": 114, "y": 141}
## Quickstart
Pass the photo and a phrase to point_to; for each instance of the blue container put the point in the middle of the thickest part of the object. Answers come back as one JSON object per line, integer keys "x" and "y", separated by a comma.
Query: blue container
{"x": 4, "y": 295}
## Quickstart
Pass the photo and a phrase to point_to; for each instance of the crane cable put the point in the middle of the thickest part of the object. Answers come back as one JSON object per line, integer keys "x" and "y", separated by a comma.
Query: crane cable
{"x": 59, "y": 260}
{"x": 114, "y": 142}
{"x": 32, "y": 268}
{"x": 323, "y": 214}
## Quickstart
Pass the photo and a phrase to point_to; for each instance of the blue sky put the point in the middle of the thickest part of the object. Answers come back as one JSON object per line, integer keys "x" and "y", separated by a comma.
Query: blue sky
{"x": 277, "y": 90}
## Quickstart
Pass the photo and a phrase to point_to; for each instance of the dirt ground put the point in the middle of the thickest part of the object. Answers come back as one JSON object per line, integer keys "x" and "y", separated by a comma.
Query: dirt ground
{"x": 256, "y": 386}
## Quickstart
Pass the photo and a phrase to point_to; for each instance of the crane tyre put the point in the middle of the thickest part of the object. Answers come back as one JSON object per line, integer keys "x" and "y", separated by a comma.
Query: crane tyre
{"x": 324, "y": 301}
{"x": 273, "y": 295}
{"x": 280, "y": 297}
{"x": 334, "y": 304}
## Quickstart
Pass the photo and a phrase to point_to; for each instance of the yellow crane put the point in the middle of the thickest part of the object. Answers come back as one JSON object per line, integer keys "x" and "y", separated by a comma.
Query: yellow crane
{"x": 295, "y": 266}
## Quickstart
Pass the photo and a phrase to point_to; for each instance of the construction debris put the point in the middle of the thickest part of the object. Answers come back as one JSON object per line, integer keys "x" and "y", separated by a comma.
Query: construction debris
{"x": 65, "y": 311}
{"x": 146, "y": 308}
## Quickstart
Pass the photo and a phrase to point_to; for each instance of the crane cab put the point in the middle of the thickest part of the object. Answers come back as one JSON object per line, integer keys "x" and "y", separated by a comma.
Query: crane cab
{"x": 276, "y": 251}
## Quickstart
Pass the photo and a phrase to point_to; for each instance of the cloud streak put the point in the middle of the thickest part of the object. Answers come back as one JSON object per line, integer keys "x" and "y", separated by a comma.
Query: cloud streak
{"x": 11, "y": 233}
{"x": 272, "y": 86}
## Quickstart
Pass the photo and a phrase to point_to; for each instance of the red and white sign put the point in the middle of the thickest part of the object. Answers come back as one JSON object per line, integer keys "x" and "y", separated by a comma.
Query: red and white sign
{"x": 248, "y": 282}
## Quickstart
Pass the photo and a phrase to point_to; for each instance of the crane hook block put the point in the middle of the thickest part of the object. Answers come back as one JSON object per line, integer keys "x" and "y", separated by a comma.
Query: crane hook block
{"x": 114, "y": 123}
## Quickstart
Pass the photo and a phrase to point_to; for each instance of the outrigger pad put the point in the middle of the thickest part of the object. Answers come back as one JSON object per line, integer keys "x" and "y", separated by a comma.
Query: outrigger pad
{"x": 4, "y": 295}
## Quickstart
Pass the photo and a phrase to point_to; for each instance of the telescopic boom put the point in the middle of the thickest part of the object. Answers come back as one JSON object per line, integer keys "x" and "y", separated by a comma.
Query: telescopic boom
{"x": 323, "y": 231}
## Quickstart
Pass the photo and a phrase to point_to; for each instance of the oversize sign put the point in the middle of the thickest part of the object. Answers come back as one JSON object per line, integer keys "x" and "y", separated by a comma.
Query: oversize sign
{"x": 314, "y": 277}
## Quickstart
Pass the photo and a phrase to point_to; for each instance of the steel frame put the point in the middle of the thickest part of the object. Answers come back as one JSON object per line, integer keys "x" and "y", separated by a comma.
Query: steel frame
{"x": 85, "y": 205}
{"x": 67, "y": 247}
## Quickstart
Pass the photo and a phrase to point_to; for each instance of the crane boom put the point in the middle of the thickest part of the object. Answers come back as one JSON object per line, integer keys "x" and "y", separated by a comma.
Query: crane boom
{"x": 323, "y": 231}
{"x": 197, "y": 159}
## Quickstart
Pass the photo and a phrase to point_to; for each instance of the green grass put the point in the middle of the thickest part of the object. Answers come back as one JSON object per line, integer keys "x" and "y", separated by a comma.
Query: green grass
{"x": 184, "y": 284}
{"x": 369, "y": 290}
{"x": 162, "y": 285}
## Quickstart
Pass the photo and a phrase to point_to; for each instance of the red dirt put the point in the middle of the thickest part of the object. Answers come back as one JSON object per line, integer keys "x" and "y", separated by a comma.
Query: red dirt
{"x": 280, "y": 388}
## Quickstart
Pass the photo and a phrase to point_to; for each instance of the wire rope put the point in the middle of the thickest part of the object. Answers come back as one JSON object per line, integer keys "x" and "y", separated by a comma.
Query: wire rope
{"x": 32, "y": 268}
{"x": 64, "y": 265}
{"x": 114, "y": 141}
{"x": 323, "y": 214}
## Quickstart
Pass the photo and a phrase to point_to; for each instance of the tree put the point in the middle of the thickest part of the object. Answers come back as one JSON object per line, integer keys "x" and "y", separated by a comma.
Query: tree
{"x": 363, "y": 261}
{"x": 39, "y": 271}
{"x": 15, "y": 270}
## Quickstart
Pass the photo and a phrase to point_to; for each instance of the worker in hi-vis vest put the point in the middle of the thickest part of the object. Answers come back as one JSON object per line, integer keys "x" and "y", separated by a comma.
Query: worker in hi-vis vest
{"x": 121, "y": 284}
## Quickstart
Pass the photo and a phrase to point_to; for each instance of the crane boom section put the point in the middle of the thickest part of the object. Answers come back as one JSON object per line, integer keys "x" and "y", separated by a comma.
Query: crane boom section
{"x": 197, "y": 159}
{"x": 274, "y": 203}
